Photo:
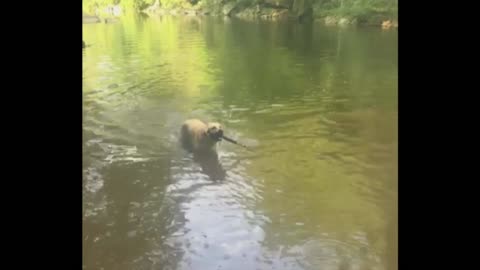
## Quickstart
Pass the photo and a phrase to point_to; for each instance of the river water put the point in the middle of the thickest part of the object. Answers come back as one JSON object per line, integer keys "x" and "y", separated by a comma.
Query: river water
{"x": 316, "y": 105}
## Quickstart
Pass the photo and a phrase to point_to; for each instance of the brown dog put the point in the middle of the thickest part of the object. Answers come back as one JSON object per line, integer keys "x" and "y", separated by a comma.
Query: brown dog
{"x": 201, "y": 139}
{"x": 196, "y": 136}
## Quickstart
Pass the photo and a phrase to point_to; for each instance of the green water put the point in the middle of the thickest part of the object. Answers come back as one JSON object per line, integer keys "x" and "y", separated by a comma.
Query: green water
{"x": 317, "y": 106}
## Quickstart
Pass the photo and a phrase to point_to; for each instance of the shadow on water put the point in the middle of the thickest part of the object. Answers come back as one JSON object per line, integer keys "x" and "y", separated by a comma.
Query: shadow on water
{"x": 210, "y": 165}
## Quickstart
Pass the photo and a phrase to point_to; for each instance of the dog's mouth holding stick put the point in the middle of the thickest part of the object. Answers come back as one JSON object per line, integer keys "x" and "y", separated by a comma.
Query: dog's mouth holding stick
{"x": 217, "y": 135}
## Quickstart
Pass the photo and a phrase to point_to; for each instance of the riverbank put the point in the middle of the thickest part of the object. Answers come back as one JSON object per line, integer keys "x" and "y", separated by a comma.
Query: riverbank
{"x": 299, "y": 10}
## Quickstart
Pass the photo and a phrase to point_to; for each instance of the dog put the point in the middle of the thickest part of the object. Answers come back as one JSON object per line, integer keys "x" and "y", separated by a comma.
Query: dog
{"x": 197, "y": 136}
{"x": 201, "y": 139}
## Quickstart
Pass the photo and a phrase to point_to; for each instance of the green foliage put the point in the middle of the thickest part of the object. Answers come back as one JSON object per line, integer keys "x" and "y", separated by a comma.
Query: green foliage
{"x": 184, "y": 4}
{"x": 90, "y": 6}
{"x": 133, "y": 4}
{"x": 370, "y": 11}
{"x": 360, "y": 9}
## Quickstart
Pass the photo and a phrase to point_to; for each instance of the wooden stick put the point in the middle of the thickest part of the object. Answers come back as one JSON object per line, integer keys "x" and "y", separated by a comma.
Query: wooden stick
{"x": 233, "y": 141}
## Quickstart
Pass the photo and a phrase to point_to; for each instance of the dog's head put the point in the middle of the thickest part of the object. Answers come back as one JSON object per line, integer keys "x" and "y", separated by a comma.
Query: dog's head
{"x": 215, "y": 131}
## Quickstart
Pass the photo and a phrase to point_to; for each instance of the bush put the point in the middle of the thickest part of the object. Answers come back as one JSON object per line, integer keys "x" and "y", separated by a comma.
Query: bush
{"x": 362, "y": 10}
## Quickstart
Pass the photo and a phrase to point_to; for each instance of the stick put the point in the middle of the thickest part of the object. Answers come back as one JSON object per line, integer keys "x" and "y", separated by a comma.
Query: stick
{"x": 234, "y": 142}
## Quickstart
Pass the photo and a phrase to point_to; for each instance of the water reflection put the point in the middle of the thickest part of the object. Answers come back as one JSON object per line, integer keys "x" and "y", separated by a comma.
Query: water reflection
{"x": 210, "y": 164}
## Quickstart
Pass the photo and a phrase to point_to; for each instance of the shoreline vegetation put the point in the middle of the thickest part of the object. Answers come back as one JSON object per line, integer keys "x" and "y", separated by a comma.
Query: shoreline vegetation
{"x": 377, "y": 13}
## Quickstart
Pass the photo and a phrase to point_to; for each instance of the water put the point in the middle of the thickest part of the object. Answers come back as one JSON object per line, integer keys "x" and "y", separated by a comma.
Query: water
{"x": 318, "y": 107}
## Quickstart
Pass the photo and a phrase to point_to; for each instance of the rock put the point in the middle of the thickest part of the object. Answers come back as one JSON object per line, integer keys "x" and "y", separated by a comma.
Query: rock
{"x": 250, "y": 13}
{"x": 346, "y": 21}
{"x": 153, "y": 8}
{"x": 387, "y": 24}
{"x": 112, "y": 10}
{"x": 281, "y": 14}
{"x": 267, "y": 13}
{"x": 110, "y": 20}
{"x": 90, "y": 19}
{"x": 343, "y": 21}
{"x": 228, "y": 8}
{"x": 330, "y": 20}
